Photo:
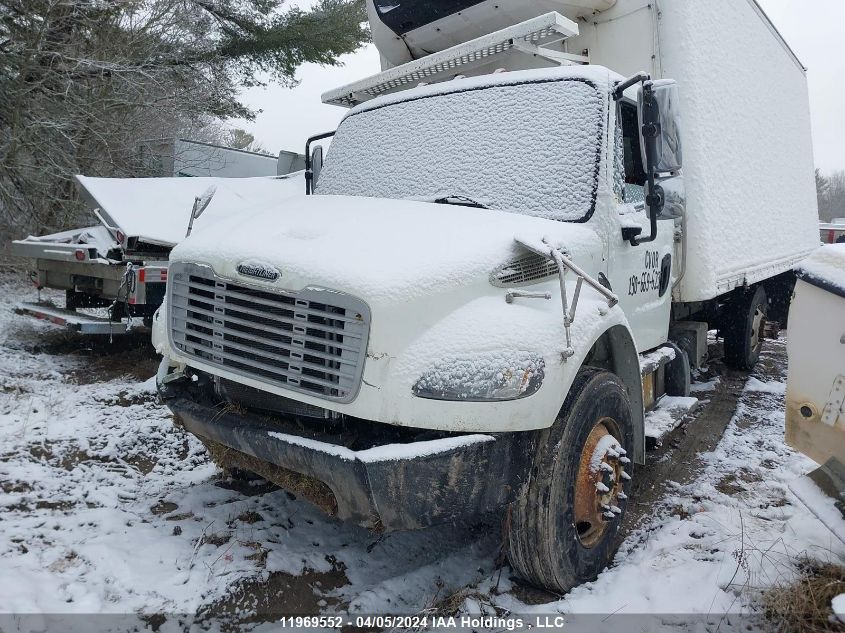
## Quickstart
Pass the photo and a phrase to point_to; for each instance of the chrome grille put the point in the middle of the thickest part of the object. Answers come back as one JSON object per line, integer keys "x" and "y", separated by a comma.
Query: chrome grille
{"x": 313, "y": 341}
{"x": 523, "y": 270}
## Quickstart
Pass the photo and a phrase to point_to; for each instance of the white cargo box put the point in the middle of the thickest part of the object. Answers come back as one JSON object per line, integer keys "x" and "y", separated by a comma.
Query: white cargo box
{"x": 748, "y": 152}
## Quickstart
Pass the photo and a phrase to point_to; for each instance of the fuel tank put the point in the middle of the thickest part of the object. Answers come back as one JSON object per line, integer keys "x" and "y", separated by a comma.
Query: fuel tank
{"x": 404, "y": 30}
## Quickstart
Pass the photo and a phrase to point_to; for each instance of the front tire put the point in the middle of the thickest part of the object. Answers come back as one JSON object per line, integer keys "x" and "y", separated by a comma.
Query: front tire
{"x": 563, "y": 526}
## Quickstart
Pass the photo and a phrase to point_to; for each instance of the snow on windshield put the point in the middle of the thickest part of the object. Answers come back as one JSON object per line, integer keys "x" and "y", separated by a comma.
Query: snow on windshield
{"x": 529, "y": 148}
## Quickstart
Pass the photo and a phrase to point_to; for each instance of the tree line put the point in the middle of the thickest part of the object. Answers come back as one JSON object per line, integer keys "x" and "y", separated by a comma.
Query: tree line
{"x": 831, "y": 195}
{"x": 82, "y": 82}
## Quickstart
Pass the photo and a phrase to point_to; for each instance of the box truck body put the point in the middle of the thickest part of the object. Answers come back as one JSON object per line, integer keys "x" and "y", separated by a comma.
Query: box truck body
{"x": 748, "y": 153}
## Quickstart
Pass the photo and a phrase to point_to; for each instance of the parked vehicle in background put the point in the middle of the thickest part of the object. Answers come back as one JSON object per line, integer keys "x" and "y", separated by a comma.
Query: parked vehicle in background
{"x": 815, "y": 391}
{"x": 833, "y": 232}
{"x": 121, "y": 263}
{"x": 517, "y": 243}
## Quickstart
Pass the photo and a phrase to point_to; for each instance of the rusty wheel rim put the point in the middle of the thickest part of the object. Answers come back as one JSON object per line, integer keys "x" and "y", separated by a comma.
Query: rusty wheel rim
{"x": 599, "y": 483}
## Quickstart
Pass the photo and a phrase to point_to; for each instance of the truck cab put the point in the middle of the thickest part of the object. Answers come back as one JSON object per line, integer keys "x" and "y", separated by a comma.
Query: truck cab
{"x": 479, "y": 296}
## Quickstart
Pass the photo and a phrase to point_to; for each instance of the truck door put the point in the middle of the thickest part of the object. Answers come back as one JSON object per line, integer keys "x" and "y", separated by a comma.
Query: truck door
{"x": 642, "y": 275}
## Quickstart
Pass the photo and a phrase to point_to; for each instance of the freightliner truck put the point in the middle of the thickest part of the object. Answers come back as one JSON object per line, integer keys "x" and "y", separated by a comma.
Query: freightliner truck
{"x": 523, "y": 230}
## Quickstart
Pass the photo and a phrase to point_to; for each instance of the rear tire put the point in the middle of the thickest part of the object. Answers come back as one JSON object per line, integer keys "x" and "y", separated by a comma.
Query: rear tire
{"x": 743, "y": 325}
{"x": 677, "y": 374}
{"x": 560, "y": 534}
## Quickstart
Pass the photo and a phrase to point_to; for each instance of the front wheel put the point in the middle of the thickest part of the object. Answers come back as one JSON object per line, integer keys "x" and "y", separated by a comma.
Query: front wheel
{"x": 563, "y": 526}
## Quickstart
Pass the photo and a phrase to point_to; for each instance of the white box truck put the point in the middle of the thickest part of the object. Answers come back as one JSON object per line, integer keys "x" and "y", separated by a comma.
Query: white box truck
{"x": 521, "y": 234}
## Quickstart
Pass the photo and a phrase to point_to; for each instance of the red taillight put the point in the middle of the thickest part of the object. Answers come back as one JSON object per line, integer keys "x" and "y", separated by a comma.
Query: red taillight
{"x": 164, "y": 275}
{"x": 79, "y": 254}
{"x": 142, "y": 276}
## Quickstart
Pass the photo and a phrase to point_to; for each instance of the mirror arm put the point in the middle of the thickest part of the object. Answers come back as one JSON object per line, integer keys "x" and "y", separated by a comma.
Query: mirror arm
{"x": 650, "y": 133}
{"x": 193, "y": 216}
{"x": 621, "y": 87}
{"x": 309, "y": 168}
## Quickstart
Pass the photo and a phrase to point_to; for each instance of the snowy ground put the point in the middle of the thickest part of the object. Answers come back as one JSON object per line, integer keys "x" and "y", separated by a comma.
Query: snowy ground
{"x": 107, "y": 507}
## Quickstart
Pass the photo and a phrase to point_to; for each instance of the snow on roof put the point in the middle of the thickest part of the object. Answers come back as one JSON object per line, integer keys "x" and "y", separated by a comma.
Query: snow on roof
{"x": 826, "y": 265}
{"x": 157, "y": 210}
{"x": 470, "y": 57}
{"x": 599, "y": 75}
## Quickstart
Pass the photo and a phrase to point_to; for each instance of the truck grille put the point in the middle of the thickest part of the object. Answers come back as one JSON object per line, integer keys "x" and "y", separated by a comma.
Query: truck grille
{"x": 313, "y": 341}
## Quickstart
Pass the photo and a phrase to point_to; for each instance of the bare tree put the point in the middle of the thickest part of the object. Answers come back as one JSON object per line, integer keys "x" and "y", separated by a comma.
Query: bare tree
{"x": 835, "y": 207}
{"x": 831, "y": 195}
{"x": 241, "y": 139}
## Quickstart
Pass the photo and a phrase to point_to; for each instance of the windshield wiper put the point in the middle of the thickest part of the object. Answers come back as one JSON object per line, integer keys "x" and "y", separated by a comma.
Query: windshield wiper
{"x": 463, "y": 201}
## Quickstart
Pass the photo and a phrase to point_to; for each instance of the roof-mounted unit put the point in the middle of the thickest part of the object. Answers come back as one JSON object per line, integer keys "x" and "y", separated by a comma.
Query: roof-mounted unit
{"x": 534, "y": 43}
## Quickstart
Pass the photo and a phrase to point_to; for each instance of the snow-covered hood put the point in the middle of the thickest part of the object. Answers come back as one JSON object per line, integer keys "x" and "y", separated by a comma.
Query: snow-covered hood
{"x": 376, "y": 249}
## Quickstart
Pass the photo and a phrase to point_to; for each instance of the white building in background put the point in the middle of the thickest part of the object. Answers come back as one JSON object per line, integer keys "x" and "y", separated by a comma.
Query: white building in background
{"x": 183, "y": 157}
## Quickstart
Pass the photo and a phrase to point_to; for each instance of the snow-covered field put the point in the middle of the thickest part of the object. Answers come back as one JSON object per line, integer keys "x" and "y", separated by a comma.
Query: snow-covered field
{"x": 106, "y": 506}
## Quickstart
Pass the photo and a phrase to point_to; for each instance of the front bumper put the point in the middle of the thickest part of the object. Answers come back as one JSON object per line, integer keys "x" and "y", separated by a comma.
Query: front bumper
{"x": 459, "y": 478}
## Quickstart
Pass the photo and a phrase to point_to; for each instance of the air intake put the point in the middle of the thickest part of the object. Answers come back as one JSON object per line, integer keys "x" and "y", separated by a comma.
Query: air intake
{"x": 528, "y": 269}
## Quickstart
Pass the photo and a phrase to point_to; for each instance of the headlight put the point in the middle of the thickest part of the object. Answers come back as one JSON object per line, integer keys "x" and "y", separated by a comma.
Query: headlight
{"x": 486, "y": 377}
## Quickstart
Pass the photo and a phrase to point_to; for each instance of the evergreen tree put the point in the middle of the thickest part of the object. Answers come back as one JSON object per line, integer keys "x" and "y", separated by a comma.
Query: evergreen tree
{"x": 83, "y": 81}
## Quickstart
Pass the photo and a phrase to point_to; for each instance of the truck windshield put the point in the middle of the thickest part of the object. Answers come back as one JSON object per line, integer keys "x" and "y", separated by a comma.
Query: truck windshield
{"x": 530, "y": 148}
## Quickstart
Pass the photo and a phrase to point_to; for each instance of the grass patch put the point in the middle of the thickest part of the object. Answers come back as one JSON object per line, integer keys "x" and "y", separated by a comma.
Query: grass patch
{"x": 803, "y": 606}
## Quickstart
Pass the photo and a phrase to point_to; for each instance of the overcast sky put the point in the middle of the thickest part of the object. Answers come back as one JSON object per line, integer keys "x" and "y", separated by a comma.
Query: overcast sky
{"x": 816, "y": 34}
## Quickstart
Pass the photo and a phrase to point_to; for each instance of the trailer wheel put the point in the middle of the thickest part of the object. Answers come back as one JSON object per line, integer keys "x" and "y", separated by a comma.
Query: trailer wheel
{"x": 562, "y": 528}
{"x": 743, "y": 325}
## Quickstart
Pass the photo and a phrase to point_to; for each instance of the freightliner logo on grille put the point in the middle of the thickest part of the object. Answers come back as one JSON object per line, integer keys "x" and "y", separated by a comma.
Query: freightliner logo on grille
{"x": 259, "y": 271}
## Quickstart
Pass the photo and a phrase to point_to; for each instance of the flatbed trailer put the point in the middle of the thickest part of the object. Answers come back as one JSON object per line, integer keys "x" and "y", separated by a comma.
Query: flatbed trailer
{"x": 75, "y": 321}
{"x": 120, "y": 265}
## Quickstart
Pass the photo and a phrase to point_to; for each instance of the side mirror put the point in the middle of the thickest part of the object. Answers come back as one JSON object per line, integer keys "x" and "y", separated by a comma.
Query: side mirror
{"x": 659, "y": 114}
{"x": 201, "y": 203}
{"x": 316, "y": 164}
